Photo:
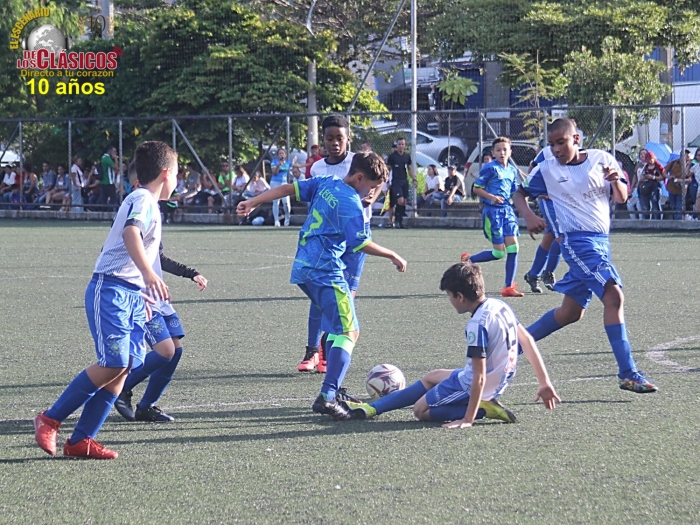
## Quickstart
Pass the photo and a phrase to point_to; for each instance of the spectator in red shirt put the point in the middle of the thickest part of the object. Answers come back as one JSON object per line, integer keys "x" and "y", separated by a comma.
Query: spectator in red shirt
{"x": 314, "y": 157}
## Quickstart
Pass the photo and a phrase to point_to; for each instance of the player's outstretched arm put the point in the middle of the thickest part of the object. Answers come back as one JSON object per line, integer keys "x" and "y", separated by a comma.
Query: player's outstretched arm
{"x": 475, "y": 392}
{"x": 134, "y": 245}
{"x": 372, "y": 248}
{"x": 533, "y": 222}
{"x": 546, "y": 391}
{"x": 245, "y": 207}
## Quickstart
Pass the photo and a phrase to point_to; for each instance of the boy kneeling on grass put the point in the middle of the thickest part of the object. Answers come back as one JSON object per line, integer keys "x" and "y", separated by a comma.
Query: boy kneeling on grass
{"x": 464, "y": 395}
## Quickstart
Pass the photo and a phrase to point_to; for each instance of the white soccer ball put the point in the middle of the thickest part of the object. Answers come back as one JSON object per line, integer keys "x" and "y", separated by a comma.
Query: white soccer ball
{"x": 382, "y": 380}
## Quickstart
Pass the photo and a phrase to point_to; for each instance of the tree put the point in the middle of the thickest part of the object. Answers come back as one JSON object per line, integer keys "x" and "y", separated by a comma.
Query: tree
{"x": 455, "y": 88}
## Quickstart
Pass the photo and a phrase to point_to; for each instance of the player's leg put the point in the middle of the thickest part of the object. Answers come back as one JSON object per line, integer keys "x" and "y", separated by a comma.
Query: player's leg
{"x": 311, "y": 358}
{"x": 287, "y": 210}
{"x": 553, "y": 259}
{"x": 539, "y": 262}
{"x": 446, "y": 401}
{"x": 614, "y": 320}
{"x": 511, "y": 242}
{"x": 401, "y": 204}
{"x": 493, "y": 232}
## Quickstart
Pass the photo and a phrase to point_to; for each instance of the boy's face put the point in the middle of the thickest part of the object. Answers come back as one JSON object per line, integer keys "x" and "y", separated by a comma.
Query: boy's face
{"x": 335, "y": 140}
{"x": 364, "y": 186}
{"x": 458, "y": 302}
{"x": 564, "y": 144}
{"x": 501, "y": 153}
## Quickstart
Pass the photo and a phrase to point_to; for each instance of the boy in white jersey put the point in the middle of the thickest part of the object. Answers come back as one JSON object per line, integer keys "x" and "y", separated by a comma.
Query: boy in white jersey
{"x": 461, "y": 396}
{"x": 579, "y": 184}
{"x": 115, "y": 308}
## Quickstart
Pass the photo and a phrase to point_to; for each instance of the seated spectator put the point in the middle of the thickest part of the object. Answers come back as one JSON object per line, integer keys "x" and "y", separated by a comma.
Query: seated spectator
{"x": 29, "y": 184}
{"x": 256, "y": 186}
{"x": 9, "y": 180}
{"x": 223, "y": 181}
{"x": 208, "y": 195}
{"x": 432, "y": 184}
{"x": 240, "y": 181}
{"x": 60, "y": 189}
{"x": 47, "y": 180}
{"x": 297, "y": 174}
{"x": 91, "y": 196}
{"x": 77, "y": 183}
{"x": 193, "y": 185}
{"x": 452, "y": 192}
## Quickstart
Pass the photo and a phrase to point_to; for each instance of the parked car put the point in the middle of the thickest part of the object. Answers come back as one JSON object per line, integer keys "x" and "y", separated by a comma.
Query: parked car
{"x": 436, "y": 146}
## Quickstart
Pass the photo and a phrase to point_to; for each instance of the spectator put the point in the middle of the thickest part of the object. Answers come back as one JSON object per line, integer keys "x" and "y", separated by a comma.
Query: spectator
{"x": 310, "y": 160}
{"x": 121, "y": 182}
{"x": 208, "y": 195}
{"x": 366, "y": 147}
{"x": 674, "y": 183}
{"x": 297, "y": 175}
{"x": 8, "y": 181}
{"x": 46, "y": 182}
{"x": 649, "y": 186}
{"x": 107, "y": 177}
{"x": 453, "y": 191}
{"x": 257, "y": 186}
{"x": 77, "y": 183}
{"x": 92, "y": 187}
{"x": 239, "y": 183}
{"x": 279, "y": 168}
{"x": 193, "y": 184}
{"x": 29, "y": 184}
{"x": 432, "y": 185}
{"x": 223, "y": 181}
{"x": 60, "y": 189}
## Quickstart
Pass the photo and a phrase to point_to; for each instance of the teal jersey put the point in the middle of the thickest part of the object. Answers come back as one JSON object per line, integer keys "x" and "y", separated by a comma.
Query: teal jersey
{"x": 498, "y": 181}
{"x": 335, "y": 224}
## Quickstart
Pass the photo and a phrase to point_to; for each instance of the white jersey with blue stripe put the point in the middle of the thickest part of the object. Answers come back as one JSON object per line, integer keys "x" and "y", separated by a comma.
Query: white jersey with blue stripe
{"x": 341, "y": 169}
{"x": 493, "y": 332}
{"x": 163, "y": 307}
{"x": 139, "y": 209}
{"x": 579, "y": 192}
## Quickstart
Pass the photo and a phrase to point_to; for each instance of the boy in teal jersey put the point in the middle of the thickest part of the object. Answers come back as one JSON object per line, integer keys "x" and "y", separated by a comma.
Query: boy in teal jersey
{"x": 335, "y": 224}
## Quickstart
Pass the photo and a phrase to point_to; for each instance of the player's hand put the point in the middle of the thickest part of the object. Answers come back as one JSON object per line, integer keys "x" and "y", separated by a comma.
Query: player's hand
{"x": 535, "y": 225}
{"x": 149, "y": 301}
{"x": 611, "y": 174}
{"x": 460, "y": 423}
{"x": 156, "y": 287}
{"x": 497, "y": 199}
{"x": 548, "y": 396}
{"x": 399, "y": 262}
{"x": 201, "y": 282}
{"x": 244, "y": 208}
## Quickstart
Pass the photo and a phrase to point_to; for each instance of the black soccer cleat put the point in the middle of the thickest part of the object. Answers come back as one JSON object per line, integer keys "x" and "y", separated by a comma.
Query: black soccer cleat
{"x": 549, "y": 280}
{"x": 124, "y": 407}
{"x": 153, "y": 414}
{"x": 336, "y": 409}
{"x": 342, "y": 395}
{"x": 532, "y": 280}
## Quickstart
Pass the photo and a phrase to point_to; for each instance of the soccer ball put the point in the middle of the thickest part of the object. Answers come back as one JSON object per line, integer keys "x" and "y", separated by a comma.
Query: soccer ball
{"x": 382, "y": 380}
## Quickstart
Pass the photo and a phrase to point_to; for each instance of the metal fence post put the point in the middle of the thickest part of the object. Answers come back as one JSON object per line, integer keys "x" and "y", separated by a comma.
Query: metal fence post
{"x": 544, "y": 127}
{"x": 174, "y": 136}
{"x": 21, "y": 161}
{"x": 230, "y": 162}
{"x": 684, "y": 168}
{"x": 613, "y": 131}
{"x": 288, "y": 137}
{"x": 70, "y": 145}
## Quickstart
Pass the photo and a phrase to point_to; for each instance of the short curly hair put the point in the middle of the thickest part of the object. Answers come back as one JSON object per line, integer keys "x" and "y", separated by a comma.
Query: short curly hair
{"x": 464, "y": 278}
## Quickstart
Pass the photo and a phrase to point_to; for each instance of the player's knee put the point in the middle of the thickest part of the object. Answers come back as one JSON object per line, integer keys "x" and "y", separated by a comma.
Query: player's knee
{"x": 613, "y": 296}
{"x": 421, "y": 410}
{"x": 498, "y": 254}
{"x": 512, "y": 248}
{"x": 165, "y": 349}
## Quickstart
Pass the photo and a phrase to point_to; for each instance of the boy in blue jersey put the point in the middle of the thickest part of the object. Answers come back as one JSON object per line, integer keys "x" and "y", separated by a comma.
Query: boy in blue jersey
{"x": 164, "y": 334}
{"x": 115, "y": 308}
{"x": 466, "y": 394}
{"x": 495, "y": 185}
{"x": 335, "y": 224}
{"x": 548, "y": 253}
{"x": 579, "y": 183}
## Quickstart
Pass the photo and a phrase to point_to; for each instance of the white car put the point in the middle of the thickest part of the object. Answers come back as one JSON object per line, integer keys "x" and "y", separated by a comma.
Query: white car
{"x": 436, "y": 146}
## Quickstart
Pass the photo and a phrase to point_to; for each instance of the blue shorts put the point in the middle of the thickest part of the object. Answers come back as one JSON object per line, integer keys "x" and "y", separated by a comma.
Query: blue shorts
{"x": 547, "y": 209}
{"x": 336, "y": 303}
{"x": 354, "y": 263}
{"x": 160, "y": 328}
{"x": 590, "y": 268}
{"x": 499, "y": 222}
{"x": 116, "y": 314}
{"x": 448, "y": 392}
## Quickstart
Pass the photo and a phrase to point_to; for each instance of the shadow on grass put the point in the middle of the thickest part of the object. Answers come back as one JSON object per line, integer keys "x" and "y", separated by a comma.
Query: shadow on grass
{"x": 16, "y": 426}
{"x": 35, "y": 385}
{"x": 240, "y": 376}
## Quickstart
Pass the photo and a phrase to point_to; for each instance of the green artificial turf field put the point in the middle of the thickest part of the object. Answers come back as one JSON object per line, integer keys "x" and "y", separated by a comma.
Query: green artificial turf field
{"x": 246, "y": 447}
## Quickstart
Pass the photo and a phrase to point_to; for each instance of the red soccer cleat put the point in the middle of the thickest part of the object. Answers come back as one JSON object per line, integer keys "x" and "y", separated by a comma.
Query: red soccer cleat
{"x": 46, "y": 432}
{"x": 321, "y": 365}
{"x": 464, "y": 257}
{"x": 88, "y": 448}
{"x": 310, "y": 360}
{"x": 511, "y": 291}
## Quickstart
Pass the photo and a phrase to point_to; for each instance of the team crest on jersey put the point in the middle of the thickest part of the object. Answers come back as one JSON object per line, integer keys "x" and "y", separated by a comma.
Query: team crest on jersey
{"x": 471, "y": 338}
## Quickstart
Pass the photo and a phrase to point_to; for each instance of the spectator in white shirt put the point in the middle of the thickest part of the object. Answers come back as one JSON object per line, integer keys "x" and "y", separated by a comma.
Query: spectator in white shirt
{"x": 432, "y": 184}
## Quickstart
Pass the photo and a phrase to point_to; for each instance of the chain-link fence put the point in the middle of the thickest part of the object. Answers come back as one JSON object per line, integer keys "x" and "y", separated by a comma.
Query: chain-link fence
{"x": 213, "y": 145}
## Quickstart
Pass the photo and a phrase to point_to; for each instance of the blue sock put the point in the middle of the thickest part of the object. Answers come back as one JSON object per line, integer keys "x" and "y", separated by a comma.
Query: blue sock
{"x": 152, "y": 363}
{"x": 511, "y": 268}
{"x": 73, "y": 397}
{"x": 485, "y": 256}
{"x": 617, "y": 335}
{"x": 544, "y": 326}
{"x": 539, "y": 262}
{"x": 337, "y": 363}
{"x": 400, "y": 399}
{"x": 94, "y": 414}
{"x": 453, "y": 412}
{"x": 159, "y": 381}
{"x": 554, "y": 257}
{"x": 314, "y": 330}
